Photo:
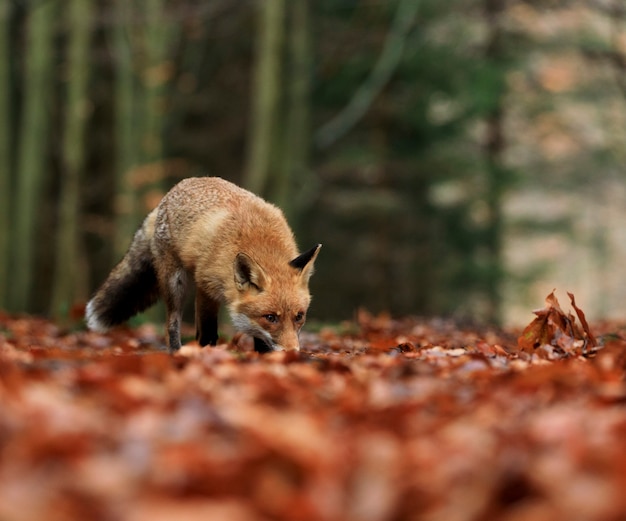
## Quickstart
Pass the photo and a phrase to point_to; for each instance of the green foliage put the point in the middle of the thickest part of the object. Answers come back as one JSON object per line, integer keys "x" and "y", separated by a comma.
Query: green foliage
{"x": 413, "y": 140}
{"x": 407, "y": 198}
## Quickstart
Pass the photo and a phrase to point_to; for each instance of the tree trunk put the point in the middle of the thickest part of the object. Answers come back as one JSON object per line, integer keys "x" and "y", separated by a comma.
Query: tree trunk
{"x": 69, "y": 259}
{"x": 5, "y": 151}
{"x": 297, "y": 125}
{"x": 156, "y": 74}
{"x": 494, "y": 148}
{"x": 32, "y": 147}
{"x": 127, "y": 152}
{"x": 495, "y": 192}
{"x": 266, "y": 95}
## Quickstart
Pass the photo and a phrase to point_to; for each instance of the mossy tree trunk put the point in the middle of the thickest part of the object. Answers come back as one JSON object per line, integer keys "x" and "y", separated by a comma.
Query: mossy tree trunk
{"x": 156, "y": 71}
{"x": 5, "y": 150}
{"x": 266, "y": 94}
{"x": 495, "y": 170}
{"x": 32, "y": 149}
{"x": 155, "y": 75}
{"x": 127, "y": 150}
{"x": 69, "y": 268}
{"x": 142, "y": 44}
{"x": 296, "y": 134}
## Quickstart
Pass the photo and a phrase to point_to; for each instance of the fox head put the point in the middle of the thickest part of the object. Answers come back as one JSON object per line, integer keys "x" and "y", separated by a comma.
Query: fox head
{"x": 273, "y": 300}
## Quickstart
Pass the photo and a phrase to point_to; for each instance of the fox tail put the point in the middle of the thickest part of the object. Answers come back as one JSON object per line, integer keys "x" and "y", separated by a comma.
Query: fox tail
{"x": 130, "y": 288}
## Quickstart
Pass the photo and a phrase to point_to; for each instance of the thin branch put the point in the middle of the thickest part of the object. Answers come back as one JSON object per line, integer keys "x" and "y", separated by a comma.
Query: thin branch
{"x": 619, "y": 60}
{"x": 387, "y": 63}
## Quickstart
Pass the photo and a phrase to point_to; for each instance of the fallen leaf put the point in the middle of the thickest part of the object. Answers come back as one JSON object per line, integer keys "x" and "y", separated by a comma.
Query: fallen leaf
{"x": 553, "y": 334}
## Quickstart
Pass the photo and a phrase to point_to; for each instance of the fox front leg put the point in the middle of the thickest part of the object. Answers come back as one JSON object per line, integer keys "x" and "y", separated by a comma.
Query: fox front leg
{"x": 206, "y": 319}
{"x": 260, "y": 346}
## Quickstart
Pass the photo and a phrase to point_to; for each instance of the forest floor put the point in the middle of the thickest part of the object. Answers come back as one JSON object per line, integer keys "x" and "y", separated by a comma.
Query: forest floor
{"x": 383, "y": 419}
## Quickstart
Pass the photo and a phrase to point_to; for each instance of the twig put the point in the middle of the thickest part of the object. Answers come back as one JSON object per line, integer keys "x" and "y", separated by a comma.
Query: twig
{"x": 387, "y": 62}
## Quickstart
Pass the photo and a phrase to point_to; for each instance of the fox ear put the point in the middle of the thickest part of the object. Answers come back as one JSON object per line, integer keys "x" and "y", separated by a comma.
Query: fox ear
{"x": 304, "y": 262}
{"x": 248, "y": 274}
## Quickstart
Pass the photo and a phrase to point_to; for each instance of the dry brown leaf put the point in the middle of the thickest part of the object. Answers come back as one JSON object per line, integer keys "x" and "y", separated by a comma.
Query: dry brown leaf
{"x": 553, "y": 334}
{"x": 390, "y": 419}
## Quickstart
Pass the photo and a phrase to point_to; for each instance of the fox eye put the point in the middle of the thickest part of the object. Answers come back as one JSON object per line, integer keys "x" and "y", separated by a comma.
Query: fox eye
{"x": 299, "y": 316}
{"x": 272, "y": 318}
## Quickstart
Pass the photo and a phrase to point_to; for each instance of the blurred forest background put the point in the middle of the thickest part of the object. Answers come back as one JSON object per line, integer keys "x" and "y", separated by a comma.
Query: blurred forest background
{"x": 458, "y": 157}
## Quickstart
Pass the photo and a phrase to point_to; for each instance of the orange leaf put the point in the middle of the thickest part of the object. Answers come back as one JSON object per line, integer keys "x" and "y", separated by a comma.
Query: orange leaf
{"x": 583, "y": 321}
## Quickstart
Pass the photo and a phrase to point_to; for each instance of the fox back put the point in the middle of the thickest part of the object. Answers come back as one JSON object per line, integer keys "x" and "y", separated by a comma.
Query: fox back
{"x": 237, "y": 249}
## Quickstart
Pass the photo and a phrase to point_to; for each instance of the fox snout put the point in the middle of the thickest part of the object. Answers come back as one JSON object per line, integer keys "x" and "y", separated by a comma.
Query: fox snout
{"x": 289, "y": 342}
{"x": 269, "y": 333}
{"x": 264, "y": 345}
{"x": 260, "y": 346}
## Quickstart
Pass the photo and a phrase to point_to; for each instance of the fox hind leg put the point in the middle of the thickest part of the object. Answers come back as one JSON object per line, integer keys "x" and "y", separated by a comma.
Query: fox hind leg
{"x": 206, "y": 319}
{"x": 174, "y": 290}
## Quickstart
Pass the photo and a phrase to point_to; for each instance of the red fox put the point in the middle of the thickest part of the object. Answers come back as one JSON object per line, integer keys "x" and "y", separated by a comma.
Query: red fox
{"x": 236, "y": 249}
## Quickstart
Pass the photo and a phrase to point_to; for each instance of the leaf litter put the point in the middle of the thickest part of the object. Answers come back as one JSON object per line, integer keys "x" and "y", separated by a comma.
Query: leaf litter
{"x": 387, "y": 419}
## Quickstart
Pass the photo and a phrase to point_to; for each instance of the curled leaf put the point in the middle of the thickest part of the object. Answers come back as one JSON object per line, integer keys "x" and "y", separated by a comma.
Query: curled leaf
{"x": 581, "y": 316}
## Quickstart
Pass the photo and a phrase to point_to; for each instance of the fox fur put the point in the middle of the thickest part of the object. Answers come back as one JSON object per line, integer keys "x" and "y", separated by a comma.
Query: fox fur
{"x": 234, "y": 247}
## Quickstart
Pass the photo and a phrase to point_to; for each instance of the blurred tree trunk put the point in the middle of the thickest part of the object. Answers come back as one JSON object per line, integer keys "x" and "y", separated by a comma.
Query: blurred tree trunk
{"x": 125, "y": 129}
{"x": 265, "y": 94}
{"x": 142, "y": 75}
{"x": 156, "y": 73}
{"x": 495, "y": 191}
{"x": 297, "y": 125}
{"x": 617, "y": 56}
{"x": 5, "y": 151}
{"x": 32, "y": 147}
{"x": 69, "y": 273}
{"x": 496, "y": 172}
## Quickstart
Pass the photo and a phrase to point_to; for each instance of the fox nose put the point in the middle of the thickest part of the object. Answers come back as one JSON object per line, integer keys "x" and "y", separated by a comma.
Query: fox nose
{"x": 291, "y": 343}
{"x": 289, "y": 347}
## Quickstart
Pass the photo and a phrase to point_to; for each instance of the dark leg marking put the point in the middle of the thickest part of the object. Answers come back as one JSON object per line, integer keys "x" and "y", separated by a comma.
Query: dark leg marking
{"x": 260, "y": 346}
{"x": 206, "y": 319}
{"x": 174, "y": 288}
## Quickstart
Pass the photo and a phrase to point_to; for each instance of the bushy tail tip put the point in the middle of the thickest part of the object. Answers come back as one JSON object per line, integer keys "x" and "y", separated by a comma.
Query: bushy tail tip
{"x": 94, "y": 322}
